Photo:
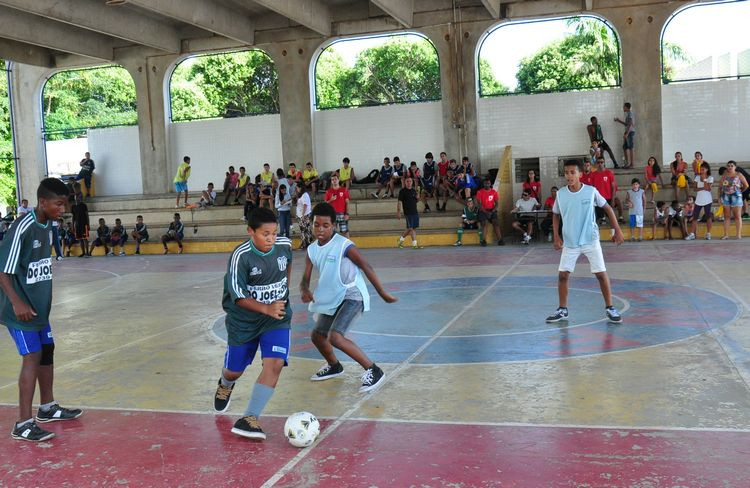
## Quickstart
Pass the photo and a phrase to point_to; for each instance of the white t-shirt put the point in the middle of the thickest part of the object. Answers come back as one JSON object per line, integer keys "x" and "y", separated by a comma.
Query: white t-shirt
{"x": 301, "y": 202}
{"x": 703, "y": 197}
{"x": 526, "y": 205}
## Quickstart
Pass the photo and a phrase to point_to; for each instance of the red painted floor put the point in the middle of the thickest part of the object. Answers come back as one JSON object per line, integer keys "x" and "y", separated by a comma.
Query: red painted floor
{"x": 106, "y": 448}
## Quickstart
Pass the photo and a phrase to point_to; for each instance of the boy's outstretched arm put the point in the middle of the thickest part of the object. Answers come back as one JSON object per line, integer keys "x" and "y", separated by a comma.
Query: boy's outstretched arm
{"x": 354, "y": 255}
{"x": 304, "y": 285}
{"x": 23, "y": 310}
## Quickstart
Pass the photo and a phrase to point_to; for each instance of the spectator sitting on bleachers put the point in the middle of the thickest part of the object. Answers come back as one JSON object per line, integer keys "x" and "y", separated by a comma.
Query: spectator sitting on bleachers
{"x": 268, "y": 179}
{"x": 466, "y": 185}
{"x": 208, "y": 198}
{"x": 103, "y": 235}
{"x": 294, "y": 175}
{"x": 140, "y": 233}
{"x": 442, "y": 164}
{"x": 675, "y": 217}
{"x": 429, "y": 183}
{"x": 399, "y": 172}
{"x": 119, "y": 237}
{"x": 470, "y": 221}
{"x": 265, "y": 191}
{"x": 175, "y": 232}
{"x": 653, "y": 174}
{"x": 680, "y": 178}
{"x": 467, "y": 167}
{"x": 241, "y": 185}
{"x": 310, "y": 179}
{"x": 385, "y": 180}
{"x": 449, "y": 186}
{"x": 488, "y": 205}
{"x": 546, "y": 224}
{"x": 68, "y": 236}
{"x": 660, "y": 219}
{"x": 23, "y": 209}
{"x": 525, "y": 223}
{"x": 252, "y": 199}
{"x": 230, "y": 183}
{"x": 346, "y": 174}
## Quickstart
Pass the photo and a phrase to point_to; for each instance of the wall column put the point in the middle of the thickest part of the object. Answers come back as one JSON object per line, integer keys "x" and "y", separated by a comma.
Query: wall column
{"x": 26, "y": 83}
{"x": 292, "y": 60}
{"x": 149, "y": 76}
{"x": 640, "y": 38}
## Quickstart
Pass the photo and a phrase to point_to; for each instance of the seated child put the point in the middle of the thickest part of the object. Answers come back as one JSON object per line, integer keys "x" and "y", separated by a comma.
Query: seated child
{"x": 174, "y": 233}
{"x": 230, "y": 183}
{"x": 675, "y": 217}
{"x": 103, "y": 235}
{"x": 140, "y": 233}
{"x": 68, "y": 237}
{"x": 310, "y": 178}
{"x": 119, "y": 237}
{"x": 469, "y": 221}
{"x": 208, "y": 199}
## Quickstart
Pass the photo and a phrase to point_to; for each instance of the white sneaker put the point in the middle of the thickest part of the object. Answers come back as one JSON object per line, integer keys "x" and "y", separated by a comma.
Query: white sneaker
{"x": 708, "y": 236}
{"x": 110, "y": 253}
{"x": 59, "y": 258}
{"x": 549, "y": 237}
{"x": 122, "y": 253}
{"x": 374, "y": 195}
{"x": 690, "y": 237}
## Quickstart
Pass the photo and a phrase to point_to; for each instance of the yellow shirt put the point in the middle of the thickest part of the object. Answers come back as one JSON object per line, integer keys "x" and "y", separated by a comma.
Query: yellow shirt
{"x": 266, "y": 177}
{"x": 183, "y": 173}
{"x": 345, "y": 173}
{"x": 242, "y": 182}
{"x": 309, "y": 175}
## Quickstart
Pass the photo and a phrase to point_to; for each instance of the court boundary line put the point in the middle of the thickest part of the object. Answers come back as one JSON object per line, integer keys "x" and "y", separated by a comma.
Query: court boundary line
{"x": 118, "y": 278}
{"x": 284, "y": 470}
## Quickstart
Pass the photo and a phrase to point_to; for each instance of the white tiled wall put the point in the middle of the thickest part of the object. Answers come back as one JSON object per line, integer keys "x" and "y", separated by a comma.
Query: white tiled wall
{"x": 215, "y": 144}
{"x": 367, "y": 134}
{"x": 546, "y": 126}
{"x": 708, "y": 116}
{"x": 117, "y": 156}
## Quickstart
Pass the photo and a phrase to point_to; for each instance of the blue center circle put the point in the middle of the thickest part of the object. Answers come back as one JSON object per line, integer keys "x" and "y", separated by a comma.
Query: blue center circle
{"x": 476, "y": 320}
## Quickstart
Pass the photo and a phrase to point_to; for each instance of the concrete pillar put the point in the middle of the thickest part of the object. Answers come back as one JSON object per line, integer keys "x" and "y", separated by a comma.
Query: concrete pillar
{"x": 149, "y": 76}
{"x": 292, "y": 60}
{"x": 26, "y": 83}
{"x": 640, "y": 37}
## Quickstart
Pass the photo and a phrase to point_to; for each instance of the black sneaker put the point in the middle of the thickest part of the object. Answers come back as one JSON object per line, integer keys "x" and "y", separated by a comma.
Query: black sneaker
{"x": 31, "y": 432}
{"x": 327, "y": 372}
{"x": 371, "y": 378}
{"x": 613, "y": 315}
{"x": 500, "y": 242}
{"x": 483, "y": 243}
{"x": 248, "y": 427}
{"x": 560, "y": 314}
{"x": 221, "y": 398}
{"x": 56, "y": 412}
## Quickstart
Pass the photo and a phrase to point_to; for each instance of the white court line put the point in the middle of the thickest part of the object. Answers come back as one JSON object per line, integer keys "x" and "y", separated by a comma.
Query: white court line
{"x": 210, "y": 317}
{"x": 725, "y": 285}
{"x": 400, "y": 368}
{"x": 390, "y": 420}
{"x": 72, "y": 299}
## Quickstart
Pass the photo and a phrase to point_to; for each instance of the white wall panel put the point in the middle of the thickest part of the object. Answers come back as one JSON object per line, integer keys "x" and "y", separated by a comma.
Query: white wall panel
{"x": 117, "y": 156}
{"x": 708, "y": 116}
{"x": 215, "y": 144}
{"x": 63, "y": 157}
{"x": 367, "y": 134}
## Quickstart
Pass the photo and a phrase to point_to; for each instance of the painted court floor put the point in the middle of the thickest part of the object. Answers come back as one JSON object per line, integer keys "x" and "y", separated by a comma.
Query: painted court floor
{"x": 479, "y": 391}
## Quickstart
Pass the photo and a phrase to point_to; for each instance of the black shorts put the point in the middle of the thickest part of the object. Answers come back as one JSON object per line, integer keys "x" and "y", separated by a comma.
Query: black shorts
{"x": 605, "y": 147}
{"x": 468, "y": 226}
{"x": 82, "y": 232}
{"x": 412, "y": 221}
{"x": 488, "y": 216}
{"x": 524, "y": 219}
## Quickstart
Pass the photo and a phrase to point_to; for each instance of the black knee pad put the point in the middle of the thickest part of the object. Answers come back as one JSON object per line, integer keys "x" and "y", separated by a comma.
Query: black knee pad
{"x": 48, "y": 353}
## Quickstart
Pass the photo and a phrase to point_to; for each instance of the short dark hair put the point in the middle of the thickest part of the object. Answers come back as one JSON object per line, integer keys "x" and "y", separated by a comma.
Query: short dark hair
{"x": 290, "y": 165}
{"x": 259, "y": 216}
{"x": 635, "y": 180}
{"x": 443, "y": 152}
{"x": 627, "y": 104}
{"x": 722, "y": 170}
{"x": 428, "y": 156}
{"x": 593, "y": 117}
{"x": 324, "y": 209}
{"x": 177, "y": 215}
{"x": 675, "y": 202}
{"x": 345, "y": 160}
{"x": 659, "y": 204}
{"x": 186, "y": 159}
{"x": 210, "y": 184}
{"x": 574, "y": 162}
{"x": 266, "y": 164}
{"x": 231, "y": 167}
{"x": 386, "y": 159}
{"x": 280, "y": 172}
{"x": 52, "y": 188}
{"x": 554, "y": 188}
{"x": 101, "y": 219}
{"x": 139, "y": 217}
{"x": 465, "y": 158}
{"x": 242, "y": 167}
{"x": 396, "y": 158}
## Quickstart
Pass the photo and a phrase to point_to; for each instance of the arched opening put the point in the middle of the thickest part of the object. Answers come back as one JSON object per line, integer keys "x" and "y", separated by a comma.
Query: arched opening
{"x": 549, "y": 55}
{"x": 224, "y": 85}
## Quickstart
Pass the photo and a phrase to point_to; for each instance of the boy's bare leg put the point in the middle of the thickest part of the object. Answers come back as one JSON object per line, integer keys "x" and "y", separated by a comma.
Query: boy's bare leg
{"x": 45, "y": 377}
{"x": 324, "y": 347}
{"x": 27, "y": 383}
{"x": 605, "y": 287}
{"x": 271, "y": 371}
{"x": 349, "y": 348}
{"x": 562, "y": 288}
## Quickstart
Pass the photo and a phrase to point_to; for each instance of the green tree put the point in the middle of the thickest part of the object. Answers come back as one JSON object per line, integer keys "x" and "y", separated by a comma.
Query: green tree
{"x": 335, "y": 83}
{"x": 225, "y": 85}
{"x": 587, "y": 58}
{"x": 7, "y": 163}
{"x": 94, "y": 97}
{"x": 488, "y": 84}
{"x": 673, "y": 56}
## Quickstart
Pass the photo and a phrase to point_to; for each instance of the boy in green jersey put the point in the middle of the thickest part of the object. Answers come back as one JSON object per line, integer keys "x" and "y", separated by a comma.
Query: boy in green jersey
{"x": 25, "y": 303}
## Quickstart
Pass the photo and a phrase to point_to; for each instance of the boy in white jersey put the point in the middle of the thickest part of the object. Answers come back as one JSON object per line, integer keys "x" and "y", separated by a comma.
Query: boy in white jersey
{"x": 340, "y": 298}
{"x": 575, "y": 206}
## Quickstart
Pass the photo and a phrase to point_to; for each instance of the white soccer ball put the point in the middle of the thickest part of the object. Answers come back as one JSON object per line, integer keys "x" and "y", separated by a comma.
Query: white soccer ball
{"x": 301, "y": 429}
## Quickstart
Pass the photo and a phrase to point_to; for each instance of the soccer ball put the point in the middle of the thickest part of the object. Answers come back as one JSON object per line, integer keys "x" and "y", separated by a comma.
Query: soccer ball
{"x": 301, "y": 429}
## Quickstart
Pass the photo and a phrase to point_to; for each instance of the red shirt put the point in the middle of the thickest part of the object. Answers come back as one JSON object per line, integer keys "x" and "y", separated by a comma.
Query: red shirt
{"x": 549, "y": 202}
{"x": 534, "y": 188}
{"x": 342, "y": 195}
{"x": 487, "y": 198}
{"x": 443, "y": 167}
{"x": 587, "y": 178}
{"x": 294, "y": 175}
{"x": 602, "y": 181}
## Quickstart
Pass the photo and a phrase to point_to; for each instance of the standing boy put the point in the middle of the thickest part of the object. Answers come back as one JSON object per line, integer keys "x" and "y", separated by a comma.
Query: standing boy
{"x": 340, "y": 297}
{"x": 140, "y": 233}
{"x": 629, "y": 136}
{"x": 181, "y": 179}
{"x": 87, "y": 171}
{"x": 174, "y": 233}
{"x": 635, "y": 200}
{"x": 80, "y": 213}
{"x": 488, "y": 201}
{"x": 575, "y": 206}
{"x": 25, "y": 303}
{"x": 338, "y": 197}
{"x": 256, "y": 300}
{"x": 407, "y": 198}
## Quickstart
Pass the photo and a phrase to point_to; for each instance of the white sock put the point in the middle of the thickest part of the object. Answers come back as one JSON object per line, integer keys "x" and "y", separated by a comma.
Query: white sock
{"x": 46, "y": 406}
{"x": 401, "y": 239}
{"x": 21, "y": 424}
{"x": 414, "y": 243}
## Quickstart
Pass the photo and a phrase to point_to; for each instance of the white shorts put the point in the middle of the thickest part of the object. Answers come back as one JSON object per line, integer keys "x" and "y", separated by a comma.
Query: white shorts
{"x": 593, "y": 253}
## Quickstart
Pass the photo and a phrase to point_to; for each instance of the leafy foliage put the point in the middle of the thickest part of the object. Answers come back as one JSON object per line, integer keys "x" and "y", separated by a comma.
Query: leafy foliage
{"x": 673, "y": 55}
{"x": 225, "y": 85}
{"x": 94, "y": 97}
{"x": 488, "y": 84}
{"x": 588, "y": 58}
{"x": 7, "y": 163}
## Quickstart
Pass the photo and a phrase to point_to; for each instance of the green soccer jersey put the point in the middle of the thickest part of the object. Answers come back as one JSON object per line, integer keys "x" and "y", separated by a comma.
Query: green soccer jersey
{"x": 25, "y": 255}
{"x": 262, "y": 277}
{"x": 470, "y": 214}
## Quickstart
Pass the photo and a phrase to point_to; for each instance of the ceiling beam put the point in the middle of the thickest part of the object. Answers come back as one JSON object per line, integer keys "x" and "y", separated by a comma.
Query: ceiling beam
{"x": 210, "y": 15}
{"x": 31, "y": 29}
{"x": 313, "y": 14}
{"x": 493, "y": 7}
{"x": 95, "y": 15}
{"x": 401, "y": 10}
{"x": 20, "y": 52}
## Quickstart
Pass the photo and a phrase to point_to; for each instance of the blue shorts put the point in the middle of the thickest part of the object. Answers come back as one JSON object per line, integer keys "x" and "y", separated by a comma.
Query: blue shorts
{"x": 273, "y": 344}
{"x": 732, "y": 199}
{"x": 30, "y": 341}
{"x": 412, "y": 221}
{"x": 181, "y": 186}
{"x": 629, "y": 141}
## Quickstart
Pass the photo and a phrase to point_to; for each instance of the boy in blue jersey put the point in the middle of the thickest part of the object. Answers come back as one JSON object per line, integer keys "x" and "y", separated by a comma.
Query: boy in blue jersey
{"x": 575, "y": 206}
{"x": 25, "y": 303}
{"x": 340, "y": 298}
{"x": 256, "y": 300}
